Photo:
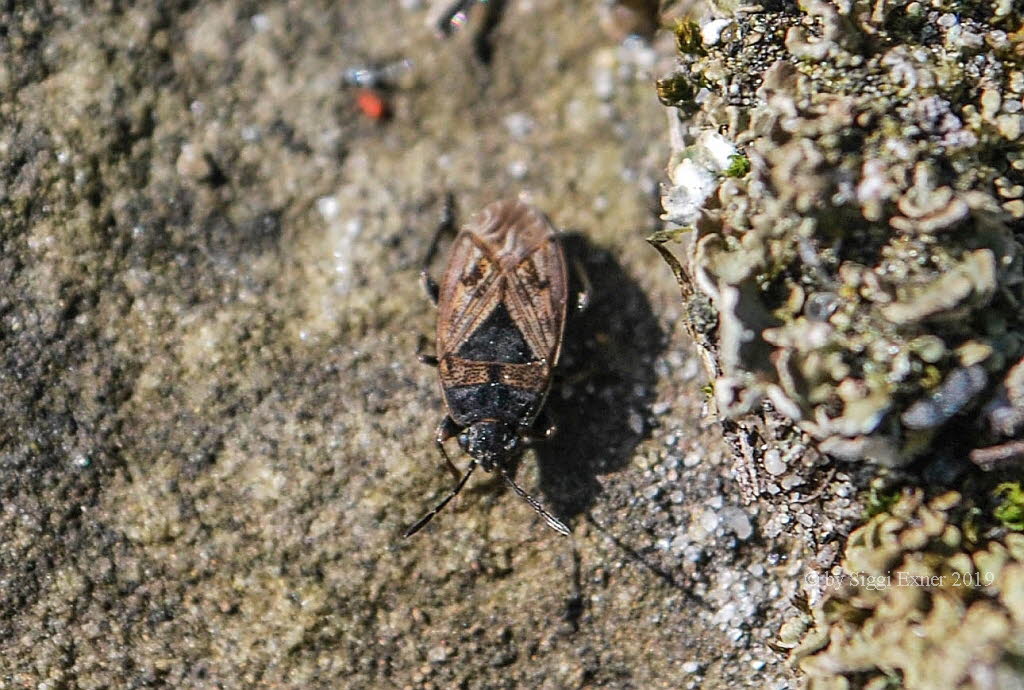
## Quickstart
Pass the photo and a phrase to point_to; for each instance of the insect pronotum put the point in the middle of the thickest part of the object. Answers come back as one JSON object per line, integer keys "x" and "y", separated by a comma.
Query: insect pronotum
{"x": 501, "y": 308}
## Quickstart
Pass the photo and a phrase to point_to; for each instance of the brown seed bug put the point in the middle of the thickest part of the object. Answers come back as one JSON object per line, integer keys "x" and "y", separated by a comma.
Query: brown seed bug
{"x": 501, "y": 314}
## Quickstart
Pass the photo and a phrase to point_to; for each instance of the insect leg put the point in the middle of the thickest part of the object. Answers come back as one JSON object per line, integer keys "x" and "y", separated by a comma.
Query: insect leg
{"x": 450, "y": 20}
{"x": 446, "y": 430}
{"x": 583, "y": 297}
{"x": 553, "y": 522}
{"x": 446, "y": 225}
{"x": 422, "y": 356}
{"x": 430, "y": 516}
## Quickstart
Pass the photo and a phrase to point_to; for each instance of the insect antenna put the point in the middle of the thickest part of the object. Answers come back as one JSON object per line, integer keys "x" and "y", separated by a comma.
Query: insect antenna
{"x": 553, "y": 522}
{"x": 430, "y": 516}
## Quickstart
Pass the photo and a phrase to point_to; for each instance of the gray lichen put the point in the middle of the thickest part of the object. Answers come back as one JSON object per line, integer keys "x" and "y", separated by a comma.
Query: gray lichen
{"x": 867, "y": 269}
{"x": 921, "y": 602}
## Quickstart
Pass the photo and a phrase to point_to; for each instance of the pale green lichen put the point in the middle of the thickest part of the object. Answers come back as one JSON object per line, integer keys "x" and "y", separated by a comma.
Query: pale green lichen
{"x": 868, "y": 267}
{"x": 920, "y": 605}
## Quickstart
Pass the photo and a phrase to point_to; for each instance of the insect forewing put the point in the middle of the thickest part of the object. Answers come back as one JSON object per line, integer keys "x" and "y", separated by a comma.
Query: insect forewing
{"x": 507, "y": 254}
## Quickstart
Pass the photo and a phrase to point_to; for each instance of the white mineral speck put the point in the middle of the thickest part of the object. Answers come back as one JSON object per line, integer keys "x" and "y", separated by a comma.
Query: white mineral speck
{"x": 711, "y": 33}
{"x": 719, "y": 150}
{"x": 636, "y": 422}
{"x": 342, "y": 238}
{"x": 438, "y": 654}
{"x": 774, "y": 463}
{"x": 260, "y": 22}
{"x": 693, "y": 185}
{"x": 604, "y": 75}
{"x": 517, "y": 169}
{"x": 328, "y": 207}
{"x": 691, "y": 459}
{"x": 519, "y": 125}
{"x": 709, "y": 521}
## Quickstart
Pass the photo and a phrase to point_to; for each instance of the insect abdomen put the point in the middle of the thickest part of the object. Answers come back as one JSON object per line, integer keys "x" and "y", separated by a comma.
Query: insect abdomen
{"x": 515, "y": 406}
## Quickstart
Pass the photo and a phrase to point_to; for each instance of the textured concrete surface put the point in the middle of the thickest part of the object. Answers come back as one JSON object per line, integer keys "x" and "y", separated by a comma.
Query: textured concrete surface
{"x": 215, "y": 425}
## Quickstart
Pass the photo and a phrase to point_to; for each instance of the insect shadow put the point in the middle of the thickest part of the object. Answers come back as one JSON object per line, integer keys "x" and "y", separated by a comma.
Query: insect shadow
{"x": 604, "y": 385}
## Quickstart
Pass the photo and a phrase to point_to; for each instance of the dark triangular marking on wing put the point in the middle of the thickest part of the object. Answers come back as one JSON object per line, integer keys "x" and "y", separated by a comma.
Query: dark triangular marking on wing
{"x": 497, "y": 339}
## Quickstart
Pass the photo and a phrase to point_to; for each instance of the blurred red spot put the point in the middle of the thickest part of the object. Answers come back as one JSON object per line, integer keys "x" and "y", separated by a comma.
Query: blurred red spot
{"x": 372, "y": 105}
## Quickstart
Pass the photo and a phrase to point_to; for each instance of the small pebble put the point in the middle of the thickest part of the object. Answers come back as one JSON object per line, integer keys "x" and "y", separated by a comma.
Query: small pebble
{"x": 773, "y": 463}
{"x": 260, "y": 22}
{"x": 517, "y": 169}
{"x": 711, "y": 33}
{"x": 1015, "y": 208}
{"x": 519, "y": 125}
{"x": 738, "y": 523}
{"x": 636, "y": 422}
{"x": 439, "y": 654}
{"x": 328, "y": 207}
{"x": 1010, "y": 126}
{"x": 192, "y": 163}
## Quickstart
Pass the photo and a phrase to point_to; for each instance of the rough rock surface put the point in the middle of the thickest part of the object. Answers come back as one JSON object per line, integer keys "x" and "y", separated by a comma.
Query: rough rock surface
{"x": 215, "y": 428}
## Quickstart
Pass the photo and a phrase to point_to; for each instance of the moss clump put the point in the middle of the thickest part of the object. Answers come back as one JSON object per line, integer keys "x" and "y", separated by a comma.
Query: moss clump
{"x": 879, "y": 500}
{"x": 676, "y": 91}
{"x": 739, "y": 165}
{"x": 1010, "y": 512}
{"x": 688, "y": 39}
